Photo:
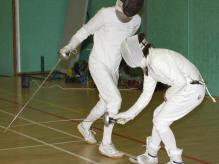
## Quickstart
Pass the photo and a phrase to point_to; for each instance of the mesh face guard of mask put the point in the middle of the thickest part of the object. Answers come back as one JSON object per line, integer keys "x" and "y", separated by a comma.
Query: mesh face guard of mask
{"x": 131, "y": 50}
{"x": 129, "y": 7}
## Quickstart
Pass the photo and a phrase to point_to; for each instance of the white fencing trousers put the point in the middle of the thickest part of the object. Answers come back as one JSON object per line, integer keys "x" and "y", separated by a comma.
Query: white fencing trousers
{"x": 98, "y": 110}
{"x": 106, "y": 81}
{"x": 173, "y": 109}
{"x": 110, "y": 98}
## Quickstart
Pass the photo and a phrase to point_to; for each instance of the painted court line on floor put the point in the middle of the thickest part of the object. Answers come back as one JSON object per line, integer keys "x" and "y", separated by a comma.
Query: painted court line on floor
{"x": 47, "y": 122}
{"x": 50, "y": 145}
{"x": 123, "y": 136}
{"x": 41, "y": 125}
{"x": 57, "y": 130}
{"x": 35, "y": 146}
{"x": 41, "y": 101}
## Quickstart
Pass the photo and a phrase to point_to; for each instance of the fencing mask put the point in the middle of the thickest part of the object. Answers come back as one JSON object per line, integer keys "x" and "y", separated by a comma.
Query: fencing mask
{"x": 132, "y": 50}
{"x": 129, "y": 7}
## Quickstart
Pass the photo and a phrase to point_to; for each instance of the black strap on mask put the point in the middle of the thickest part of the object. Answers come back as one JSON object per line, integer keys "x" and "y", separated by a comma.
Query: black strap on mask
{"x": 145, "y": 47}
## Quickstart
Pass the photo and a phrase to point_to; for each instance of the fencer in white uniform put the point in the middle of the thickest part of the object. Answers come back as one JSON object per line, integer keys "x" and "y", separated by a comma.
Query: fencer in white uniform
{"x": 109, "y": 27}
{"x": 186, "y": 92}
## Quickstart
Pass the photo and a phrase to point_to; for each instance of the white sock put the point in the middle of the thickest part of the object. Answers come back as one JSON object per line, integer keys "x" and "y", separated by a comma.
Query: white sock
{"x": 155, "y": 137}
{"x": 168, "y": 139}
{"x": 107, "y": 134}
{"x": 176, "y": 155}
{"x": 154, "y": 142}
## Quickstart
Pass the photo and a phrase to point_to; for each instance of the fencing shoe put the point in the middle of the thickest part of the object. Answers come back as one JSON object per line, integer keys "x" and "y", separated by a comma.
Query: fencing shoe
{"x": 109, "y": 150}
{"x": 87, "y": 134}
{"x": 175, "y": 156}
{"x": 147, "y": 159}
{"x": 173, "y": 162}
{"x": 150, "y": 155}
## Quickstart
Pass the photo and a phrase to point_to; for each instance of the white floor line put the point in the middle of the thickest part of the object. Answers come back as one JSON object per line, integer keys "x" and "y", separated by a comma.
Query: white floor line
{"x": 73, "y": 88}
{"x": 41, "y": 125}
{"x": 50, "y": 145}
{"x": 46, "y": 122}
{"x": 35, "y": 146}
{"x": 57, "y": 130}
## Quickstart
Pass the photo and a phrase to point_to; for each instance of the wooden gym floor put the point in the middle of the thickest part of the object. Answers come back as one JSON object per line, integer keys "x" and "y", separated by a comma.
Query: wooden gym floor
{"x": 46, "y": 133}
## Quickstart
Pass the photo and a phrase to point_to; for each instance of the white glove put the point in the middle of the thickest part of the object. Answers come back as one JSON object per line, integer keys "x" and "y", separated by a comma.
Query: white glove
{"x": 66, "y": 51}
{"x": 124, "y": 117}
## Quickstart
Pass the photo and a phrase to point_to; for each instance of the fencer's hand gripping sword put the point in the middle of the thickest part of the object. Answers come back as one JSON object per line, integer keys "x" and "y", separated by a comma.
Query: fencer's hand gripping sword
{"x": 37, "y": 90}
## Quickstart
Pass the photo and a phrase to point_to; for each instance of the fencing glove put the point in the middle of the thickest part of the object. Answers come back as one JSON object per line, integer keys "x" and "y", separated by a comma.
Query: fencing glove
{"x": 124, "y": 117}
{"x": 66, "y": 51}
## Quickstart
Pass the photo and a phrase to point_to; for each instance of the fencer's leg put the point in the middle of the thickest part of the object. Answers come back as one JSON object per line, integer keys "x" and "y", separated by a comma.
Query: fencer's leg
{"x": 87, "y": 134}
{"x": 175, "y": 155}
{"x": 106, "y": 147}
{"x": 150, "y": 155}
{"x": 152, "y": 144}
{"x": 166, "y": 134}
{"x": 155, "y": 137}
{"x": 106, "y": 82}
{"x": 168, "y": 138}
{"x": 84, "y": 127}
{"x": 98, "y": 110}
{"x": 174, "y": 108}
{"x": 114, "y": 103}
{"x": 107, "y": 137}
{"x": 112, "y": 108}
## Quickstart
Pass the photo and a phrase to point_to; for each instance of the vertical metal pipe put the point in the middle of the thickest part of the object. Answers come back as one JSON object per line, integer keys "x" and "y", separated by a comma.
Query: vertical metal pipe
{"x": 16, "y": 36}
{"x": 42, "y": 64}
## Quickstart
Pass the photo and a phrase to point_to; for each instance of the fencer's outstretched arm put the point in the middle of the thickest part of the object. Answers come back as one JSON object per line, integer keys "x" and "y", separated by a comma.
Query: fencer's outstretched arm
{"x": 145, "y": 97}
{"x": 88, "y": 29}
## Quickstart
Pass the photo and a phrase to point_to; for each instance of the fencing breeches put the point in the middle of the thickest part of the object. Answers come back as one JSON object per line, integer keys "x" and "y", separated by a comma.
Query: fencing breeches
{"x": 110, "y": 99}
{"x": 180, "y": 105}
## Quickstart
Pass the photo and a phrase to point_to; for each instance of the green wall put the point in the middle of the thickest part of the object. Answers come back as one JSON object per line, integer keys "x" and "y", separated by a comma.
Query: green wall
{"x": 6, "y": 38}
{"x": 95, "y": 5}
{"x": 204, "y": 40}
{"x": 190, "y": 27}
{"x": 41, "y": 31}
{"x": 167, "y": 24}
{"x": 187, "y": 26}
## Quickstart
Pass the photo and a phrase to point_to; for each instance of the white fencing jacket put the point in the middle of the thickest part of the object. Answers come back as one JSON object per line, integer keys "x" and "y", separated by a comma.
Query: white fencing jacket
{"x": 108, "y": 33}
{"x": 167, "y": 67}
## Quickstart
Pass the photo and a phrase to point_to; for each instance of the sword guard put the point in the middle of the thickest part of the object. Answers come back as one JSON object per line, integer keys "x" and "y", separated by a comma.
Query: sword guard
{"x": 108, "y": 120}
